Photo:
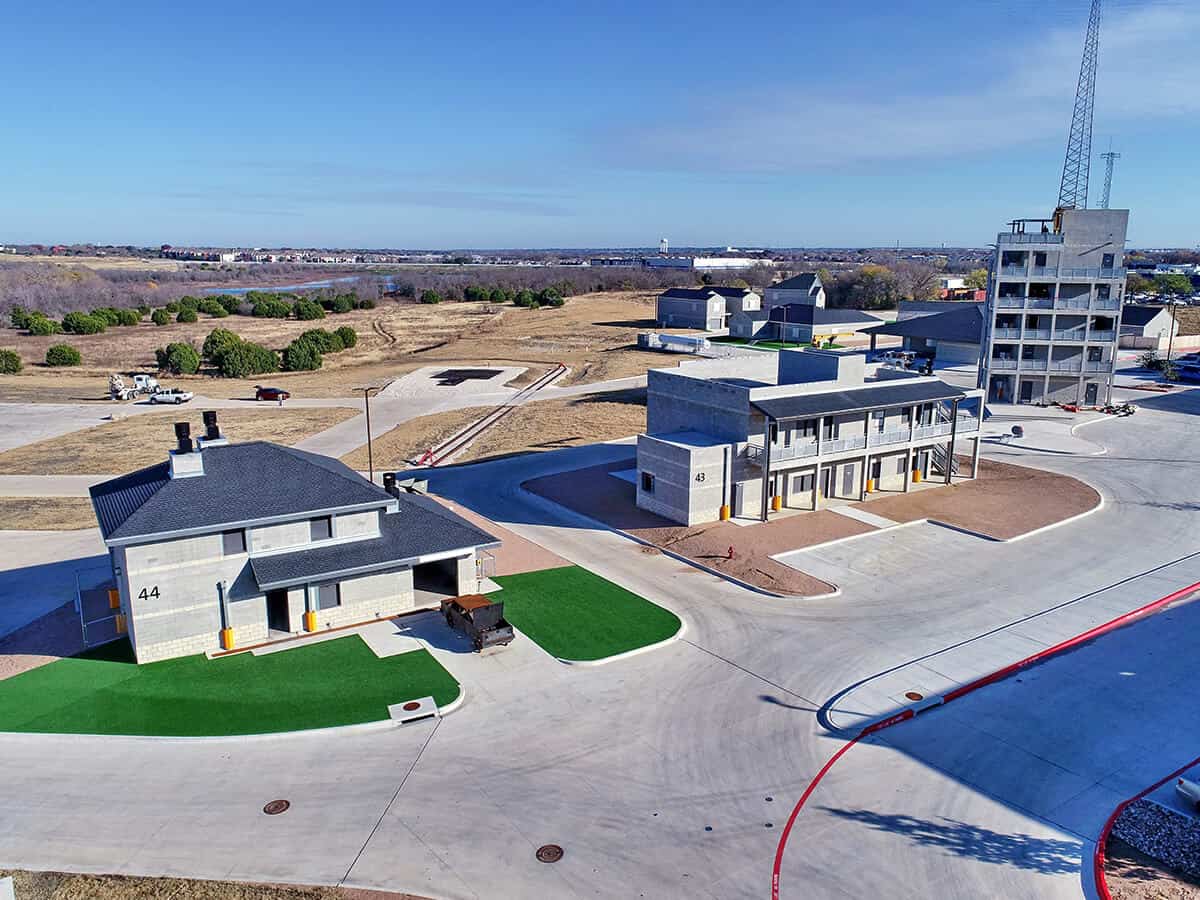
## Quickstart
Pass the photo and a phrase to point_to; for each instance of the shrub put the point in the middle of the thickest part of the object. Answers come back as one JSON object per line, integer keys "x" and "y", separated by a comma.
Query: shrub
{"x": 189, "y": 302}
{"x": 348, "y": 336}
{"x": 501, "y": 295}
{"x": 178, "y": 358}
{"x": 160, "y": 317}
{"x": 108, "y": 315}
{"x": 20, "y": 316}
{"x": 366, "y": 303}
{"x": 321, "y": 340}
{"x": 245, "y": 358}
{"x": 550, "y": 297}
{"x": 128, "y": 317}
{"x": 218, "y": 340}
{"x": 343, "y": 303}
{"x": 211, "y": 307}
{"x": 81, "y": 323}
{"x": 143, "y": 310}
{"x": 40, "y": 325}
{"x": 525, "y": 298}
{"x": 230, "y": 303}
{"x": 172, "y": 307}
{"x": 308, "y": 309}
{"x": 430, "y": 296}
{"x": 271, "y": 309}
{"x": 474, "y": 292}
{"x": 63, "y": 355}
{"x": 186, "y": 315}
{"x": 301, "y": 356}
{"x": 10, "y": 362}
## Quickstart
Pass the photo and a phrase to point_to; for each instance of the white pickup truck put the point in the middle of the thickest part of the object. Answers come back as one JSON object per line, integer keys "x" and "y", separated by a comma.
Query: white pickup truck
{"x": 171, "y": 395}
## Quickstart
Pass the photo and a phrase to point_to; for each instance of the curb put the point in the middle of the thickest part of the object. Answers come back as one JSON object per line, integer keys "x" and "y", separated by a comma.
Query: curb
{"x": 1102, "y": 840}
{"x": 636, "y": 651}
{"x": 968, "y": 688}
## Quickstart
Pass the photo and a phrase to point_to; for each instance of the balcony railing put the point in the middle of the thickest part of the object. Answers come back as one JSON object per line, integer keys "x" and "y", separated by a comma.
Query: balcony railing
{"x": 1039, "y": 302}
{"x": 895, "y": 436}
{"x": 928, "y": 431}
{"x": 1106, "y": 304}
{"x": 1011, "y": 334}
{"x": 1037, "y": 334}
{"x": 1071, "y": 303}
{"x": 1070, "y": 334}
{"x": 856, "y": 442}
{"x": 1065, "y": 365}
{"x": 1010, "y": 302}
{"x": 1002, "y": 364}
{"x": 1102, "y": 336}
{"x": 1033, "y": 238}
{"x": 1091, "y": 273}
{"x": 1019, "y": 271}
{"x": 1034, "y": 365}
{"x": 1101, "y": 365}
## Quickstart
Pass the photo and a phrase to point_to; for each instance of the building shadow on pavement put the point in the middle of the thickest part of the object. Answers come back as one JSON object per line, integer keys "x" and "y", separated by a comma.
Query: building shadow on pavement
{"x": 1049, "y": 856}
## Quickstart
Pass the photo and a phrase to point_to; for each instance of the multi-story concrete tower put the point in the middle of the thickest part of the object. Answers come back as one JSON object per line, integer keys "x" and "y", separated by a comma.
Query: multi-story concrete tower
{"x": 1054, "y": 309}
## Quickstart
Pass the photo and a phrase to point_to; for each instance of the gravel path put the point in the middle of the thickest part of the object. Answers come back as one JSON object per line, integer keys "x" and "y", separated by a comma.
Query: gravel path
{"x": 1163, "y": 834}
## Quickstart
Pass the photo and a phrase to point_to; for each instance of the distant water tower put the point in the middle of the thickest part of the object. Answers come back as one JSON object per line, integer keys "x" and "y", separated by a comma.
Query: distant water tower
{"x": 662, "y": 246}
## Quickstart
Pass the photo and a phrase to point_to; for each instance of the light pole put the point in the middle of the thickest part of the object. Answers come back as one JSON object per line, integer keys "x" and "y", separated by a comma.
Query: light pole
{"x": 367, "y": 391}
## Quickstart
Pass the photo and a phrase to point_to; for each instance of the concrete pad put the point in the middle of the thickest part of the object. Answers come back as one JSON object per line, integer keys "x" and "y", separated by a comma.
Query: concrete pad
{"x": 856, "y": 512}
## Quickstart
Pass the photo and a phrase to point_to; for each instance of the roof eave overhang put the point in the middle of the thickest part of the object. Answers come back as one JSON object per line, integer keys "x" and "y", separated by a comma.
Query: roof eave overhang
{"x": 386, "y": 565}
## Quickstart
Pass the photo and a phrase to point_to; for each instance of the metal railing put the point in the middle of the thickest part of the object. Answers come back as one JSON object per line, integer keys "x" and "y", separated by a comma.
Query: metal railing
{"x": 895, "y": 436}
{"x": 1106, "y": 304}
{"x": 1065, "y": 365}
{"x": 1070, "y": 334}
{"x": 1034, "y": 365}
{"x": 1034, "y": 238}
{"x": 1010, "y": 302}
{"x": 856, "y": 442}
{"x": 935, "y": 430}
{"x": 1091, "y": 273}
{"x": 1071, "y": 303}
{"x": 1006, "y": 334}
{"x": 1101, "y": 365}
{"x": 1037, "y": 334}
{"x": 1019, "y": 271}
{"x": 1002, "y": 364}
{"x": 1044, "y": 272}
{"x": 1103, "y": 336}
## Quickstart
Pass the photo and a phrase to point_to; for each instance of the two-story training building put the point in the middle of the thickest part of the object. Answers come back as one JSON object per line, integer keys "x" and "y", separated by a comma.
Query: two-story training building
{"x": 705, "y": 309}
{"x": 752, "y": 436}
{"x": 225, "y": 545}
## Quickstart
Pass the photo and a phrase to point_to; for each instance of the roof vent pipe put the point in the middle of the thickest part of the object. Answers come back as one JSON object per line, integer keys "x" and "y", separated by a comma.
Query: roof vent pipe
{"x": 183, "y": 434}
{"x": 212, "y": 431}
{"x": 389, "y": 484}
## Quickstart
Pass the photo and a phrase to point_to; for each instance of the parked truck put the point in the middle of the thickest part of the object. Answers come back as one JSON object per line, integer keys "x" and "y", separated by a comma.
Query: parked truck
{"x": 479, "y": 618}
{"x": 120, "y": 389}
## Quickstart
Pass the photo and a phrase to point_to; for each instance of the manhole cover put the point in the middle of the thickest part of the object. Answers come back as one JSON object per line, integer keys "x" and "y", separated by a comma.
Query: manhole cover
{"x": 411, "y": 705}
{"x": 913, "y": 695}
{"x": 549, "y": 853}
{"x": 275, "y": 807}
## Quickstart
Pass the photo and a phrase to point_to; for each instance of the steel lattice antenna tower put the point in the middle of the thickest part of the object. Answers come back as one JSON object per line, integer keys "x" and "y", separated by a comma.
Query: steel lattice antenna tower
{"x": 1109, "y": 158}
{"x": 1073, "y": 192}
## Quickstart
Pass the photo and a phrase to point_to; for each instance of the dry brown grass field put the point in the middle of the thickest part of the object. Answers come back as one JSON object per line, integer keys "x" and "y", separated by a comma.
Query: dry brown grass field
{"x": 594, "y": 334}
{"x": 142, "y": 440}
{"x": 65, "y": 886}
{"x": 125, "y": 263}
{"x": 46, "y": 513}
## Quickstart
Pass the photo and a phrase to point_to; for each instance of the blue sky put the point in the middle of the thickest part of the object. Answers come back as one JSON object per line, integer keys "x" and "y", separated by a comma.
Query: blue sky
{"x": 561, "y": 124}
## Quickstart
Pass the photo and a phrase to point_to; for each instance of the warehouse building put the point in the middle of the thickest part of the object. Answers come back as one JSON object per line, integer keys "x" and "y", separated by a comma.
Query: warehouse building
{"x": 754, "y": 436}
{"x": 227, "y": 545}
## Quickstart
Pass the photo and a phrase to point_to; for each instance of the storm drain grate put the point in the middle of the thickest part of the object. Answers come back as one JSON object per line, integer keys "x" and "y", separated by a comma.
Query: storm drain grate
{"x": 275, "y": 807}
{"x": 549, "y": 853}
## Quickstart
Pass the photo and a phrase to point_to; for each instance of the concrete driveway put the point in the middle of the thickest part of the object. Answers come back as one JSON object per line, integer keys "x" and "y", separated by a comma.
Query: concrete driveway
{"x": 628, "y": 766}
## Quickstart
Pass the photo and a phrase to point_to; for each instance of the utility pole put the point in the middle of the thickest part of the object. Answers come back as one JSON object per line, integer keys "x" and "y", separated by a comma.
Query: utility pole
{"x": 1109, "y": 158}
{"x": 367, "y": 391}
{"x": 1073, "y": 190}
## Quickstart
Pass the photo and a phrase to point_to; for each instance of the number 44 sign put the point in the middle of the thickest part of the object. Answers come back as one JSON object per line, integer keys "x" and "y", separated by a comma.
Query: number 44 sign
{"x": 146, "y": 594}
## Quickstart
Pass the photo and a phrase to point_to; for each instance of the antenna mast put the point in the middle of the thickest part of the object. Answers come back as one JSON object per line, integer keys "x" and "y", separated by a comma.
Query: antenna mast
{"x": 1073, "y": 191}
{"x": 1109, "y": 158}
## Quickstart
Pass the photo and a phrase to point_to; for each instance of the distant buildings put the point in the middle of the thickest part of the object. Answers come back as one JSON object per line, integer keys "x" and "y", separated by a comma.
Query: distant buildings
{"x": 706, "y": 308}
{"x": 803, "y": 288}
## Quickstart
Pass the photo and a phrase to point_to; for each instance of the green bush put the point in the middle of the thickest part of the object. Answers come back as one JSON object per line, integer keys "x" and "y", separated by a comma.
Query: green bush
{"x": 10, "y": 362}
{"x": 501, "y": 295}
{"x": 81, "y": 323}
{"x": 230, "y": 303}
{"x": 189, "y": 302}
{"x": 172, "y": 307}
{"x": 430, "y": 296}
{"x": 321, "y": 340}
{"x": 20, "y": 316}
{"x": 308, "y": 310}
{"x": 525, "y": 298}
{"x": 366, "y": 303}
{"x": 474, "y": 292}
{"x": 301, "y": 356}
{"x": 178, "y": 358}
{"x": 107, "y": 314}
{"x": 343, "y": 303}
{"x": 128, "y": 317}
{"x": 271, "y": 309}
{"x": 186, "y": 315}
{"x": 218, "y": 340}
{"x": 550, "y": 297}
{"x": 211, "y": 307}
{"x": 41, "y": 326}
{"x": 348, "y": 335}
{"x": 245, "y": 358}
{"x": 143, "y": 310}
{"x": 63, "y": 355}
{"x": 160, "y": 317}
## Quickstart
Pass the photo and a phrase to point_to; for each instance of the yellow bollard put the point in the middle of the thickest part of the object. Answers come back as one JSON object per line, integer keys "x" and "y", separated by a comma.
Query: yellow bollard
{"x": 226, "y": 638}
{"x": 870, "y": 485}
{"x": 725, "y": 513}
{"x": 114, "y": 599}
{"x": 916, "y": 476}
{"x": 776, "y": 503}
{"x": 310, "y": 621}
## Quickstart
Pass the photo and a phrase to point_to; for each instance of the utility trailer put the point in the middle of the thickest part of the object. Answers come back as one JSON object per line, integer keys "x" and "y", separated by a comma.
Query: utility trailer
{"x": 479, "y": 618}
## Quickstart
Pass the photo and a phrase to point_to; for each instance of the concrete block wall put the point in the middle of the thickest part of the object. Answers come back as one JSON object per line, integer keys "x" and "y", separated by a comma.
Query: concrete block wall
{"x": 359, "y": 524}
{"x": 278, "y": 537}
{"x": 369, "y": 597}
{"x": 467, "y": 575}
{"x": 688, "y": 481}
{"x": 679, "y": 403}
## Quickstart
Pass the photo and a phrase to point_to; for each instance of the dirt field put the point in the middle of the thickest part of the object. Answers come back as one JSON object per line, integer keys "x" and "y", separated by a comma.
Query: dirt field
{"x": 124, "y": 263}
{"x": 594, "y": 334}
{"x": 1132, "y": 875}
{"x": 46, "y": 513}
{"x": 1006, "y": 501}
{"x": 61, "y": 886}
{"x": 142, "y": 440}
{"x": 534, "y": 427}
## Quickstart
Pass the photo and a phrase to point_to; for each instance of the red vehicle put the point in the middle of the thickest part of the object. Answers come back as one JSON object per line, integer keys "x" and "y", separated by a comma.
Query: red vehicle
{"x": 270, "y": 393}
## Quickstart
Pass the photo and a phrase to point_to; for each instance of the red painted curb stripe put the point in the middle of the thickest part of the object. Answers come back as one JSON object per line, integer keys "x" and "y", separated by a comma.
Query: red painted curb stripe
{"x": 975, "y": 685}
{"x": 1098, "y": 857}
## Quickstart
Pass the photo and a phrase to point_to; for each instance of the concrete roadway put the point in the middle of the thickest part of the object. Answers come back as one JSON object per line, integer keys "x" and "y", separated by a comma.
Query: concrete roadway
{"x": 626, "y": 765}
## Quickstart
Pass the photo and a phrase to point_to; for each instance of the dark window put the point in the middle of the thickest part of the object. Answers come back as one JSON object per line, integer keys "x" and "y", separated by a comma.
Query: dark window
{"x": 1106, "y": 261}
{"x": 647, "y": 483}
{"x": 880, "y": 417}
{"x": 906, "y": 415}
{"x": 1039, "y": 259}
{"x": 1027, "y": 353}
{"x": 233, "y": 542}
{"x": 831, "y": 430}
{"x": 1102, "y": 291}
{"x": 774, "y": 433}
{"x": 320, "y": 529}
{"x": 1094, "y": 354}
{"x": 329, "y": 596}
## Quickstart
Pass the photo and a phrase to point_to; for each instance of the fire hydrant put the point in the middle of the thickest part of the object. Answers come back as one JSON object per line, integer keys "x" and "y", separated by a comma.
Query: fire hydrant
{"x": 729, "y": 554}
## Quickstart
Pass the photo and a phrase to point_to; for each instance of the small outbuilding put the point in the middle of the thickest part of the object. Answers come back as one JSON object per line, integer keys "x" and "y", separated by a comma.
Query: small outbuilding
{"x": 953, "y": 337}
{"x": 1147, "y": 327}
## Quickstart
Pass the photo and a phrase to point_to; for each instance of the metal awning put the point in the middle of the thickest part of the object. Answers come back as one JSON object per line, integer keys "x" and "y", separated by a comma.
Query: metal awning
{"x": 832, "y": 403}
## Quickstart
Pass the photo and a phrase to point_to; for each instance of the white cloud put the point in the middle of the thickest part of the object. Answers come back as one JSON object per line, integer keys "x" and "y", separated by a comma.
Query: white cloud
{"x": 1149, "y": 69}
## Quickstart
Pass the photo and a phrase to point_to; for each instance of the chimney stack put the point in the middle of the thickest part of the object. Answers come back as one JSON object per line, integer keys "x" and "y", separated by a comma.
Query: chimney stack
{"x": 185, "y": 463}
{"x": 183, "y": 434}
{"x": 212, "y": 431}
{"x": 389, "y": 484}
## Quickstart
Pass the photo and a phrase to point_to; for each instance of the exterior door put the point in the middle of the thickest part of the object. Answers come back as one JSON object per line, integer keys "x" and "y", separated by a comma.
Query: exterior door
{"x": 1026, "y": 391}
{"x": 277, "y": 611}
{"x": 827, "y": 481}
{"x": 1089, "y": 394}
{"x": 848, "y": 480}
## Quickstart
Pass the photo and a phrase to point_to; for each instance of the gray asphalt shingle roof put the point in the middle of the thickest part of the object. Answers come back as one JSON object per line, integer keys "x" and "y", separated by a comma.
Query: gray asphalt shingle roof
{"x": 829, "y": 403}
{"x": 1138, "y": 315}
{"x": 422, "y": 527}
{"x": 808, "y": 314}
{"x": 802, "y": 282}
{"x": 959, "y": 325}
{"x": 241, "y": 483}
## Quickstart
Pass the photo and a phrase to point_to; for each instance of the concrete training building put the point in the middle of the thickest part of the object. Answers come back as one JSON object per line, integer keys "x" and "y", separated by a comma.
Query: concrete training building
{"x": 1054, "y": 300}
{"x": 1147, "y": 327}
{"x": 800, "y": 323}
{"x": 953, "y": 337}
{"x": 750, "y": 436}
{"x": 705, "y": 309}
{"x": 236, "y": 544}
{"x": 803, "y": 288}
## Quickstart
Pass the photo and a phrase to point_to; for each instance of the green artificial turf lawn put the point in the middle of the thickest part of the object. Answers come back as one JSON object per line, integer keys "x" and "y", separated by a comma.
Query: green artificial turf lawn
{"x": 772, "y": 345}
{"x": 334, "y": 682}
{"x": 575, "y": 614}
